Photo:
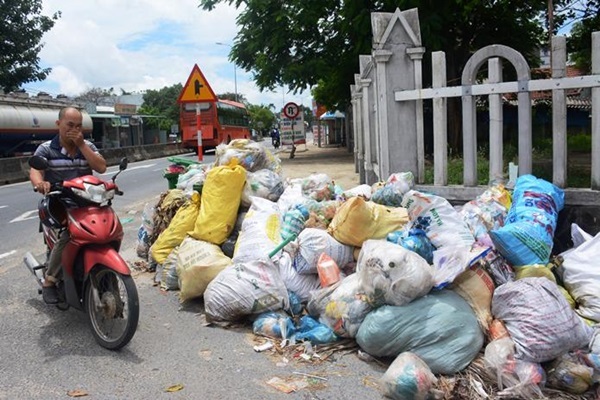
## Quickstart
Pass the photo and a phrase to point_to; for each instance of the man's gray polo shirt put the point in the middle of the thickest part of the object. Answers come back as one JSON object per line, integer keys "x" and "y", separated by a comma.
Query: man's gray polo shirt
{"x": 61, "y": 166}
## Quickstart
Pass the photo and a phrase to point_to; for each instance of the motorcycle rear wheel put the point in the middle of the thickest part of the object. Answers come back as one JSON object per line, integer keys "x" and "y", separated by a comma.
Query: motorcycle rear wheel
{"x": 114, "y": 311}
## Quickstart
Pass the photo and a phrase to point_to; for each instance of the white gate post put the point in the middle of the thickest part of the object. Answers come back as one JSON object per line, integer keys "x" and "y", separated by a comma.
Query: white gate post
{"x": 440, "y": 118}
{"x": 381, "y": 58}
{"x": 416, "y": 55}
{"x": 369, "y": 131}
{"x": 357, "y": 127}
{"x": 360, "y": 133}
{"x": 595, "y": 110}
{"x": 559, "y": 113}
{"x": 496, "y": 123}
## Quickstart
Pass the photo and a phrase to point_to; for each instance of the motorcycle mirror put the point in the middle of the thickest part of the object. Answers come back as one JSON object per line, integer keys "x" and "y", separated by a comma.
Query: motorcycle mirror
{"x": 122, "y": 167}
{"x": 38, "y": 162}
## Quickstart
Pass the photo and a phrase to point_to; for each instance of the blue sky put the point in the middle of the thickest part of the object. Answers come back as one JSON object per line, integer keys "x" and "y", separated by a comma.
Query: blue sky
{"x": 138, "y": 45}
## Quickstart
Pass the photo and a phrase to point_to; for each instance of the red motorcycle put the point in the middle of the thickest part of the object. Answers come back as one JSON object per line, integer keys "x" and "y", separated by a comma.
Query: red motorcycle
{"x": 95, "y": 278}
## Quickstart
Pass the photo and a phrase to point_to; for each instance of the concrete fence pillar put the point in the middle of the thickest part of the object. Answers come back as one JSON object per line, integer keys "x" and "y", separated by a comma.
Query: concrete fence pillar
{"x": 383, "y": 143}
{"x": 369, "y": 119}
{"x": 398, "y": 53}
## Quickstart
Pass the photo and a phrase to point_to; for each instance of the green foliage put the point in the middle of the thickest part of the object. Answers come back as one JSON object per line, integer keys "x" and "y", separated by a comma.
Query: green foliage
{"x": 316, "y": 43}
{"x": 578, "y": 176}
{"x": 511, "y": 152}
{"x": 579, "y": 42}
{"x": 578, "y": 171}
{"x": 240, "y": 98}
{"x": 542, "y": 147}
{"x": 581, "y": 143}
{"x": 162, "y": 102}
{"x": 261, "y": 117}
{"x": 21, "y": 29}
{"x": 456, "y": 168}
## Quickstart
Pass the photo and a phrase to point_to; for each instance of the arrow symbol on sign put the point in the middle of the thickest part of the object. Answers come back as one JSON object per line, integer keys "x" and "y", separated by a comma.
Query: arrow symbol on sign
{"x": 197, "y": 86}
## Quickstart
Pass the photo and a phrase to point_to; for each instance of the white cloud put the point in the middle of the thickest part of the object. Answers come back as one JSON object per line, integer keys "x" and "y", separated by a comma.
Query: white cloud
{"x": 143, "y": 44}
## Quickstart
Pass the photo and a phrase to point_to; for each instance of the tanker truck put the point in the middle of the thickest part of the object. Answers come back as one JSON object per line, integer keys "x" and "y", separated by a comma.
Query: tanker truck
{"x": 26, "y": 122}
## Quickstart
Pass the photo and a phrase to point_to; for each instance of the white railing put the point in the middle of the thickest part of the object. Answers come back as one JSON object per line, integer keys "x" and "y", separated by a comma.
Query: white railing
{"x": 389, "y": 123}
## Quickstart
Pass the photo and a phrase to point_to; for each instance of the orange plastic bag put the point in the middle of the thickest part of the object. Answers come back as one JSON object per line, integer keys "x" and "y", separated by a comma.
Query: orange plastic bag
{"x": 329, "y": 272}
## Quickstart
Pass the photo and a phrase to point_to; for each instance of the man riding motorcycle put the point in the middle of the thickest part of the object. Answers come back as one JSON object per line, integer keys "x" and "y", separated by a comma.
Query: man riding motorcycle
{"x": 275, "y": 138}
{"x": 69, "y": 156}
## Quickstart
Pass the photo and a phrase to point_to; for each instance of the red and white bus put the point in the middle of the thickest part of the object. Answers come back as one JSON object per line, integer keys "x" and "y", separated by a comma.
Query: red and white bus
{"x": 221, "y": 122}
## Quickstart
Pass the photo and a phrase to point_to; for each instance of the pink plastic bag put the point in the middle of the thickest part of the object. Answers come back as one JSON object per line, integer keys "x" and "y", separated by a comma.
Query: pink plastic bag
{"x": 329, "y": 272}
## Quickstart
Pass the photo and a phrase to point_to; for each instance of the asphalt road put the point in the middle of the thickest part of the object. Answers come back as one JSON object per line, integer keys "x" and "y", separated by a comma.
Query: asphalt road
{"x": 46, "y": 353}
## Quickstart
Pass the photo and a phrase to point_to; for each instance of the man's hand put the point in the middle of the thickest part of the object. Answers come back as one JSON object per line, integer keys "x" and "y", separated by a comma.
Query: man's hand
{"x": 76, "y": 138}
{"x": 42, "y": 187}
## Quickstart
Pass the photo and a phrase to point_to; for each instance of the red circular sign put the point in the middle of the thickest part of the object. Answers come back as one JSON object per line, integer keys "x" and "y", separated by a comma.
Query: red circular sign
{"x": 291, "y": 110}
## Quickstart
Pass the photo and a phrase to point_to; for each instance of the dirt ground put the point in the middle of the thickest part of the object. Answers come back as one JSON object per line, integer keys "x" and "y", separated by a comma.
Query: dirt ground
{"x": 336, "y": 162}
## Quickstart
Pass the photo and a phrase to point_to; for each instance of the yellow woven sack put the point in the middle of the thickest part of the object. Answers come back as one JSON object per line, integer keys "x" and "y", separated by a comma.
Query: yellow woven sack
{"x": 221, "y": 196}
{"x": 358, "y": 220}
{"x": 173, "y": 235}
{"x": 198, "y": 263}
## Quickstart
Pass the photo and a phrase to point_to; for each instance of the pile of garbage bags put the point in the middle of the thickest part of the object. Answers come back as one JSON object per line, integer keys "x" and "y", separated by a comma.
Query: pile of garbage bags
{"x": 404, "y": 273}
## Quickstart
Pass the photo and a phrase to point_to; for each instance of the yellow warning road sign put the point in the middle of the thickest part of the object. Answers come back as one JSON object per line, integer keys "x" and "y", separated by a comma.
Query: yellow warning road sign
{"x": 196, "y": 88}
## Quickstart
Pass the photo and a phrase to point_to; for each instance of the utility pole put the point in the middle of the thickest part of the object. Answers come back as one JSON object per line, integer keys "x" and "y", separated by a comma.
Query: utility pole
{"x": 234, "y": 71}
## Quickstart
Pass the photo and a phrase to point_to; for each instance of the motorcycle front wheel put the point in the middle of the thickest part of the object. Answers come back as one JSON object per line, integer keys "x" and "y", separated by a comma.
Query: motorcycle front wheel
{"x": 112, "y": 307}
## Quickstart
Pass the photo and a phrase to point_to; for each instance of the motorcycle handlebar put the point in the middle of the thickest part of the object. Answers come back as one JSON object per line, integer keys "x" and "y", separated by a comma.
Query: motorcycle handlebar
{"x": 55, "y": 188}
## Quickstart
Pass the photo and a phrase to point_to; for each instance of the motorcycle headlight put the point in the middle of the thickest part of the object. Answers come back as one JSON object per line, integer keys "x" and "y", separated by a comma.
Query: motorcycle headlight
{"x": 95, "y": 193}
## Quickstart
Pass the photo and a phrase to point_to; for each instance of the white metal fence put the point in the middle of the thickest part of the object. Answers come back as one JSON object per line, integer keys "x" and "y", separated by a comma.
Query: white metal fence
{"x": 388, "y": 116}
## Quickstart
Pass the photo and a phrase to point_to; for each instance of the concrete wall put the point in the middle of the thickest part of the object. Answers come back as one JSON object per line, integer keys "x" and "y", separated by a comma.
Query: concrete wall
{"x": 16, "y": 169}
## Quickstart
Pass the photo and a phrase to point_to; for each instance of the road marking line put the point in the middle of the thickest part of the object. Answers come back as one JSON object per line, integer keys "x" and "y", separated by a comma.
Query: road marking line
{"x": 25, "y": 216}
{"x": 128, "y": 169}
{"x": 10, "y": 253}
{"x": 3, "y": 206}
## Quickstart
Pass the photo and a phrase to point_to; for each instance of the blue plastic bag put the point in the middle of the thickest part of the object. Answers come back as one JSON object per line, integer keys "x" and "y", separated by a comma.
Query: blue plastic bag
{"x": 414, "y": 240}
{"x": 315, "y": 332}
{"x": 293, "y": 221}
{"x": 274, "y": 324}
{"x": 528, "y": 232}
{"x": 295, "y": 303}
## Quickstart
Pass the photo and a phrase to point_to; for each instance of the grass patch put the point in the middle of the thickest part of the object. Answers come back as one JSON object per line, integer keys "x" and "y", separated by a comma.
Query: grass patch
{"x": 578, "y": 176}
{"x": 581, "y": 143}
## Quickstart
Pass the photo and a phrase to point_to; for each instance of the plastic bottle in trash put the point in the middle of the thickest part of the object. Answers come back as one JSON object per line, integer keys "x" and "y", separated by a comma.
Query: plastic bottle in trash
{"x": 328, "y": 270}
{"x": 293, "y": 221}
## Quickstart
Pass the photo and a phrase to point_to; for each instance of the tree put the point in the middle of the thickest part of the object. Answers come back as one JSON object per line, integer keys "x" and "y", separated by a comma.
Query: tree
{"x": 316, "y": 43}
{"x": 579, "y": 42}
{"x": 308, "y": 115}
{"x": 98, "y": 96}
{"x": 261, "y": 118}
{"x": 303, "y": 43}
{"x": 162, "y": 102}
{"x": 21, "y": 33}
{"x": 233, "y": 97}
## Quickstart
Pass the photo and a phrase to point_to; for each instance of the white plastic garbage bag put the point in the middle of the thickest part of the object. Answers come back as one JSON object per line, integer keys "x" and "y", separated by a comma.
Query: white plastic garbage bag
{"x": 390, "y": 274}
{"x": 244, "y": 289}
